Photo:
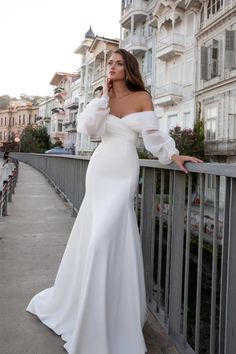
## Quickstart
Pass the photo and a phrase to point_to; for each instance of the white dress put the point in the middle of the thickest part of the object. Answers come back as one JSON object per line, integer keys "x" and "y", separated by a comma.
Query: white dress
{"x": 98, "y": 303}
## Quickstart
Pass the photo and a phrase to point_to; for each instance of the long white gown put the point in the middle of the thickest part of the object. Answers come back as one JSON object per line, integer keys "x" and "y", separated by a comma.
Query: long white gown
{"x": 98, "y": 303}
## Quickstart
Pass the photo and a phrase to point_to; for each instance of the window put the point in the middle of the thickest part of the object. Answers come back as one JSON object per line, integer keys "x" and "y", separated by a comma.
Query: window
{"x": 213, "y": 7}
{"x": 144, "y": 29}
{"x": 1, "y": 122}
{"x": 29, "y": 118}
{"x": 210, "y": 61}
{"x": 149, "y": 63}
{"x": 20, "y": 120}
{"x": 186, "y": 119}
{"x": 171, "y": 121}
{"x": 232, "y": 126}
{"x": 211, "y": 117}
{"x": 230, "y": 49}
{"x": 5, "y": 121}
{"x": 59, "y": 127}
{"x": 150, "y": 31}
{"x": 23, "y": 119}
{"x": 142, "y": 64}
{"x": 81, "y": 107}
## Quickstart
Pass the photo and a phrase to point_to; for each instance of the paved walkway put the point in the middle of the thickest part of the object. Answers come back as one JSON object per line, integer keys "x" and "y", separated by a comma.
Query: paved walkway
{"x": 32, "y": 240}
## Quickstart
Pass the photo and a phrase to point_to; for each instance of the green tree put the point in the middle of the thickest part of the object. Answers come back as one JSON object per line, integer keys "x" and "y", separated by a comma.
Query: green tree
{"x": 35, "y": 139}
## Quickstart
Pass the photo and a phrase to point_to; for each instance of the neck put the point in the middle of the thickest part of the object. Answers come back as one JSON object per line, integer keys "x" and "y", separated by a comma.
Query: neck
{"x": 119, "y": 89}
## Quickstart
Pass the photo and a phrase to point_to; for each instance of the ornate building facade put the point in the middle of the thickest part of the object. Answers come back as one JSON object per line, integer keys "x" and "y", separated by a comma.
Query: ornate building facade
{"x": 95, "y": 52}
{"x": 14, "y": 119}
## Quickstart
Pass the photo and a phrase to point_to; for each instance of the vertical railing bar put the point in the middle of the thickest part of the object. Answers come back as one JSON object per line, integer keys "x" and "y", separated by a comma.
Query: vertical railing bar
{"x": 167, "y": 280}
{"x": 199, "y": 269}
{"x": 176, "y": 267}
{"x": 160, "y": 241}
{"x": 187, "y": 256}
{"x": 152, "y": 239}
{"x": 146, "y": 228}
{"x": 230, "y": 318}
{"x": 224, "y": 262}
{"x": 214, "y": 264}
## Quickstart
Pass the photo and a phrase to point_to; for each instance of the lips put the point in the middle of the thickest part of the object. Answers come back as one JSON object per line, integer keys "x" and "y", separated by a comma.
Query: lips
{"x": 112, "y": 72}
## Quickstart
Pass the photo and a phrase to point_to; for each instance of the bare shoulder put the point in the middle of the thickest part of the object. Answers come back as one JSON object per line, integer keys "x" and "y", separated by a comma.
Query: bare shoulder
{"x": 145, "y": 101}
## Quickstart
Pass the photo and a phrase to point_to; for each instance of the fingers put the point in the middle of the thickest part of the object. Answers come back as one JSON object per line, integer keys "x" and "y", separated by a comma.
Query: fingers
{"x": 190, "y": 159}
{"x": 180, "y": 160}
{"x": 181, "y": 166}
{"x": 183, "y": 169}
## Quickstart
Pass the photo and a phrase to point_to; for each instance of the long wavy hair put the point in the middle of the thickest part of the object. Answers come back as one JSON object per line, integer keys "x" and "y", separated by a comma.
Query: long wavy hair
{"x": 134, "y": 79}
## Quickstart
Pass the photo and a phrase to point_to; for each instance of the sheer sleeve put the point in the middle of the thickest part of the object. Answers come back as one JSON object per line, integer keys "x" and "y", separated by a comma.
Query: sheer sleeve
{"x": 160, "y": 144}
{"x": 92, "y": 121}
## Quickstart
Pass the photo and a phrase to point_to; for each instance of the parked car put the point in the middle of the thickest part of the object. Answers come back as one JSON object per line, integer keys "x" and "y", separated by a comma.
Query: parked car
{"x": 59, "y": 151}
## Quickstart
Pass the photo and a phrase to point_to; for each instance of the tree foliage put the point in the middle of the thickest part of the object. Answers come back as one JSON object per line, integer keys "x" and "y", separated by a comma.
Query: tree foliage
{"x": 190, "y": 141}
{"x": 35, "y": 139}
{"x": 4, "y": 101}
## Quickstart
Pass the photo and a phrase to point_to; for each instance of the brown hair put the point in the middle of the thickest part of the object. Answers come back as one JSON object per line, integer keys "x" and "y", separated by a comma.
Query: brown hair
{"x": 134, "y": 79}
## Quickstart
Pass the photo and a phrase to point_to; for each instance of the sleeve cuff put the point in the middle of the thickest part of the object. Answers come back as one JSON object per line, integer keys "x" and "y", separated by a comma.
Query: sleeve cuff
{"x": 173, "y": 152}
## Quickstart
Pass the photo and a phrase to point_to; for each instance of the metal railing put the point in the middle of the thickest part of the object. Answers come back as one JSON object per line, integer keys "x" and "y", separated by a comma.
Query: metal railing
{"x": 189, "y": 271}
{"x": 7, "y": 186}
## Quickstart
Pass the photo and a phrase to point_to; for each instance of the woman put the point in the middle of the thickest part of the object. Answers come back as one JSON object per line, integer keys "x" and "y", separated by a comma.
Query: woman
{"x": 98, "y": 302}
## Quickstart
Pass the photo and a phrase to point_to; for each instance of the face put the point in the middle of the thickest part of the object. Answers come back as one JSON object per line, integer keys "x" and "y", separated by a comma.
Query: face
{"x": 116, "y": 68}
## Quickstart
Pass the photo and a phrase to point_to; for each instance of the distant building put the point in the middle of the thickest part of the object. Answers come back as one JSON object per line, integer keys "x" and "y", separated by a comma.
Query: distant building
{"x": 95, "y": 52}
{"x": 62, "y": 83}
{"x": 14, "y": 119}
{"x": 71, "y": 106}
{"x": 46, "y": 109}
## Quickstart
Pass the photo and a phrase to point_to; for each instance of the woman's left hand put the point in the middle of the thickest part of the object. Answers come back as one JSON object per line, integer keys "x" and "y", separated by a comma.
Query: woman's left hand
{"x": 180, "y": 160}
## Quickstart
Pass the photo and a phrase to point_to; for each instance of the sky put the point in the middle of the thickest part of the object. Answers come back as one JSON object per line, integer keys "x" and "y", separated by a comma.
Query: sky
{"x": 38, "y": 38}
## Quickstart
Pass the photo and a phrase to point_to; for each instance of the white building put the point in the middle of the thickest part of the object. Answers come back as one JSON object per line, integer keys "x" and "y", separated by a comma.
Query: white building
{"x": 45, "y": 112}
{"x": 161, "y": 36}
{"x": 95, "y": 52}
{"x": 216, "y": 77}
{"x": 138, "y": 37}
{"x": 71, "y": 105}
{"x": 62, "y": 84}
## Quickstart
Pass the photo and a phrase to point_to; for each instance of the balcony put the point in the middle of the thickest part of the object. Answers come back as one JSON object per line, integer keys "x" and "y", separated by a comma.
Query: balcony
{"x": 170, "y": 47}
{"x": 100, "y": 74}
{"x": 57, "y": 110}
{"x": 135, "y": 43}
{"x": 224, "y": 147}
{"x": 138, "y": 8}
{"x": 70, "y": 126}
{"x": 169, "y": 94}
{"x": 72, "y": 103}
{"x": 60, "y": 93}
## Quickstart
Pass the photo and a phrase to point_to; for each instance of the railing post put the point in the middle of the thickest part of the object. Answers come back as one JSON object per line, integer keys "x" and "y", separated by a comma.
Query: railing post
{"x": 176, "y": 263}
{"x": 4, "y": 194}
{"x": 9, "y": 189}
{"x": 147, "y": 225}
{"x": 224, "y": 265}
{"x": 230, "y": 318}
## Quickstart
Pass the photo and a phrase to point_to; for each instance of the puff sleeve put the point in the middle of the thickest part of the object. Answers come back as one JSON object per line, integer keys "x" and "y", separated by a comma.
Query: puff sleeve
{"x": 160, "y": 144}
{"x": 92, "y": 121}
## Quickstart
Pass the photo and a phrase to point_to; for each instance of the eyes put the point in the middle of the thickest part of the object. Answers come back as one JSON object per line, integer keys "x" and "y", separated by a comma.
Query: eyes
{"x": 119, "y": 63}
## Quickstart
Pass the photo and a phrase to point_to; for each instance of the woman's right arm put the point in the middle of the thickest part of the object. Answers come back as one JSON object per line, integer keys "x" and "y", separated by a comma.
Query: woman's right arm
{"x": 92, "y": 121}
